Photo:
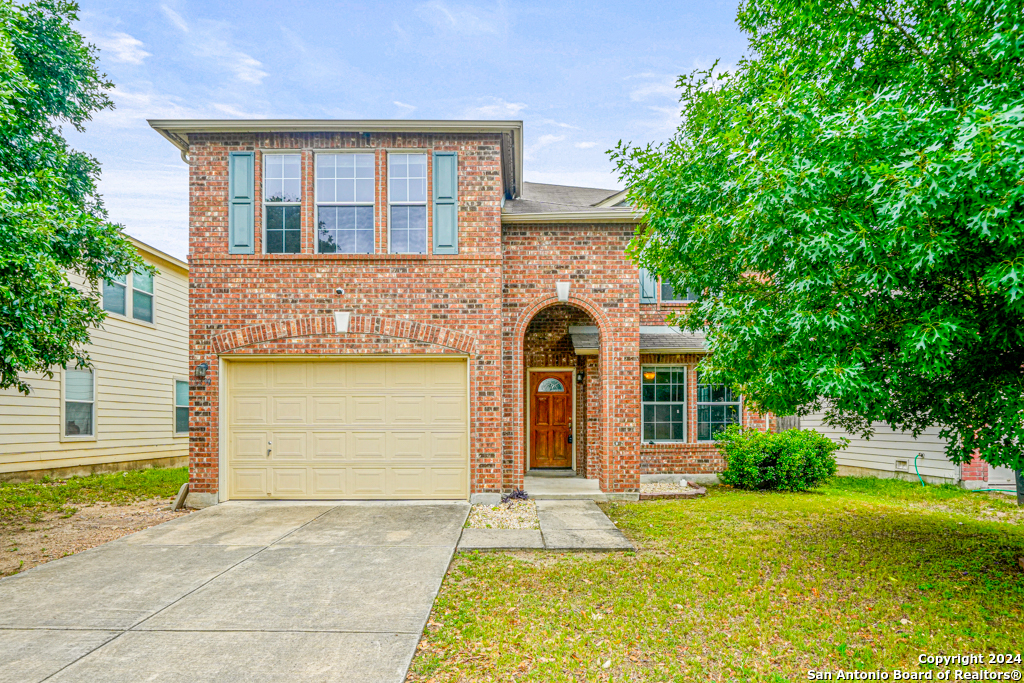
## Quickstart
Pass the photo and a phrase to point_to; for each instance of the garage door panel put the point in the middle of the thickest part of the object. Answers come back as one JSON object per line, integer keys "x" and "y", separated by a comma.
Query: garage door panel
{"x": 368, "y": 445}
{"x": 448, "y": 376}
{"x": 364, "y": 410}
{"x": 366, "y": 375}
{"x": 249, "y": 410}
{"x": 407, "y": 410}
{"x": 448, "y": 446}
{"x": 289, "y": 409}
{"x": 329, "y": 445}
{"x": 448, "y": 410}
{"x": 289, "y": 481}
{"x": 449, "y": 481}
{"x": 408, "y": 446}
{"x": 329, "y": 375}
{"x": 407, "y": 375}
{"x": 369, "y": 481}
{"x": 249, "y": 481}
{"x": 412, "y": 482}
{"x": 330, "y": 409}
{"x": 289, "y": 375}
{"x": 248, "y": 445}
{"x": 248, "y": 376}
{"x": 288, "y": 445}
{"x": 329, "y": 481}
{"x": 347, "y": 429}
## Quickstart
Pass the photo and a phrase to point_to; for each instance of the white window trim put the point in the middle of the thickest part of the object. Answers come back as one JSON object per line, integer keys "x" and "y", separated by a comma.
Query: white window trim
{"x": 63, "y": 406}
{"x": 129, "y": 288}
{"x": 686, "y": 404}
{"x": 174, "y": 406}
{"x": 426, "y": 202}
{"x": 696, "y": 407}
{"x": 372, "y": 204}
{"x": 263, "y": 194}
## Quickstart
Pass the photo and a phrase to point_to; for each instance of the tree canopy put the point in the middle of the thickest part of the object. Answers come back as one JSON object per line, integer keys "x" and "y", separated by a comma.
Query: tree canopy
{"x": 52, "y": 220}
{"x": 849, "y": 202}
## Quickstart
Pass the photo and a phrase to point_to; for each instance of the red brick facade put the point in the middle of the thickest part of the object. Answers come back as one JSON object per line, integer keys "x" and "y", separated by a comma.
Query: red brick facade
{"x": 495, "y": 303}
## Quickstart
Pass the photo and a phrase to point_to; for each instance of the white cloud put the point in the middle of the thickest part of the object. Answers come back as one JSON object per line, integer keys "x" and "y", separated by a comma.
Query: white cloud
{"x": 408, "y": 107}
{"x": 236, "y": 112}
{"x": 547, "y": 139}
{"x": 664, "y": 86}
{"x": 122, "y": 48}
{"x": 585, "y": 145}
{"x": 552, "y": 122}
{"x": 498, "y": 109}
{"x": 175, "y": 18}
{"x": 464, "y": 19}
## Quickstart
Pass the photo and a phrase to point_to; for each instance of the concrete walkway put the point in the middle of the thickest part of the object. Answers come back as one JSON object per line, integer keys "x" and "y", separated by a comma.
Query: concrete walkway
{"x": 564, "y": 525}
{"x": 262, "y": 592}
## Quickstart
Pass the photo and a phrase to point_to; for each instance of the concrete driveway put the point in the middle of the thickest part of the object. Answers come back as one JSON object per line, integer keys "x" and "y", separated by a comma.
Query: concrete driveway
{"x": 262, "y": 592}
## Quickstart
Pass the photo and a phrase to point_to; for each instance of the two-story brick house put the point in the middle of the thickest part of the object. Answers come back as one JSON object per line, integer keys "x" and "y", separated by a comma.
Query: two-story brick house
{"x": 385, "y": 309}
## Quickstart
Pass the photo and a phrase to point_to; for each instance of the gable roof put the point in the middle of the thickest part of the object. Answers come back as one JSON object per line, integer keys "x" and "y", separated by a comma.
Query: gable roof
{"x": 177, "y": 130}
{"x": 544, "y": 203}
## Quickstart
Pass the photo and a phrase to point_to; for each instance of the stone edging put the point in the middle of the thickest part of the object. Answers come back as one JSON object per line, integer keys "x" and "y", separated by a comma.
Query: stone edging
{"x": 697, "y": 492}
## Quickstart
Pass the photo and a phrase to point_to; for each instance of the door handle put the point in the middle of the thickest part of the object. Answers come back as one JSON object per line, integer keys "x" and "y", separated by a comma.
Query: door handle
{"x": 570, "y": 438}
{"x": 268, "y": 449}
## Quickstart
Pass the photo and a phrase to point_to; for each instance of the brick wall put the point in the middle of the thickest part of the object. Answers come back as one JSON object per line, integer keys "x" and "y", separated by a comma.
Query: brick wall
{"x": 458, "y": 293}
{"x": 975, "y": 470}
{"x": 605, "y": 288}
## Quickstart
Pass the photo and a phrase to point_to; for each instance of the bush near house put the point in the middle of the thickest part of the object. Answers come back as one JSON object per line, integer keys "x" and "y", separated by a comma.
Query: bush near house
{"x": 793, "y": 460}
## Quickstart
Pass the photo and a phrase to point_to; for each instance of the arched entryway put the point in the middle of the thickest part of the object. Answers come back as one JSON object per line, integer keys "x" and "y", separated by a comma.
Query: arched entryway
{"x": 562, "y": 392}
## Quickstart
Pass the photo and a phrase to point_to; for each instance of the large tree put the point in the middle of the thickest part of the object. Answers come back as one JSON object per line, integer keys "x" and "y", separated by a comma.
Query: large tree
{"x": 52, "y": 220}
{"x": 849, "y": 202}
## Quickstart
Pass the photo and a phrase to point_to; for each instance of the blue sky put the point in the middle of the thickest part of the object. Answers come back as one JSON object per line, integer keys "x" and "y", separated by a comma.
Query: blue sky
{"x": 580, "y": 75}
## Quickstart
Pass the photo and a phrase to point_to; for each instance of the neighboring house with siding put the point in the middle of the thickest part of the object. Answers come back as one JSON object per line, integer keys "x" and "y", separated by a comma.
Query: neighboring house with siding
{"x": 385, "y": 309}
{"x": 890, "y": 453}
{"x": 130, "y": 409}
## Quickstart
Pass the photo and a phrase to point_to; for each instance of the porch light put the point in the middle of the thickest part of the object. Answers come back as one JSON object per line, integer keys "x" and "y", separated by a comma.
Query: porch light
{"x": 562, "y": 289}
{"x": 649, "y": 375}
{"x": 201, "y": 370}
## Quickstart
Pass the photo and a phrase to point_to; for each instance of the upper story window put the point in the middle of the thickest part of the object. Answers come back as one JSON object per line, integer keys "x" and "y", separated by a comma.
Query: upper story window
{"x": 139, "y": 305}
{"x": 344, "y": 203}
{"x": 717, "y": 408}
{"x": 668, "y": 295}
{"x": 282, "y": 203}
{"x": 407, "y": 203}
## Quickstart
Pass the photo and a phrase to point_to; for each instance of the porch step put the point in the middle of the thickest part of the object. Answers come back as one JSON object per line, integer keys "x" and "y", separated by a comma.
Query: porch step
{"x": 570, "y": 488}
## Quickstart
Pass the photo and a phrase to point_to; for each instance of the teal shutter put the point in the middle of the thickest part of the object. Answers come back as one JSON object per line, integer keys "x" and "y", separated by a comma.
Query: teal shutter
{"x": 241, "y": 203}
{"x": 446, "y": 203}
{"x": 647, "y": 287}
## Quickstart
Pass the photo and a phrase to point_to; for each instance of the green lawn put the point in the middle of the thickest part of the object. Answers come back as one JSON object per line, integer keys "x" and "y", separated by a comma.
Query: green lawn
{"x": 18, "y": 501}
{"x": 738, "y": 586}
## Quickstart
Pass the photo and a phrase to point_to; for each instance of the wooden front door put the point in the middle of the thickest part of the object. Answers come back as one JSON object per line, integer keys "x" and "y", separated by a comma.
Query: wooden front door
{"x": 551, "y": 419}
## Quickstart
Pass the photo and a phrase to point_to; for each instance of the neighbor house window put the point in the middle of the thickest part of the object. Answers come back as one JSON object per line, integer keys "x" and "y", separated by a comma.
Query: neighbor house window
{"x": 663, "y": 394}
{"x": 344, "y": 203}
{"x": 142, "y": 296}
{"x": 79, "y": 402}
{"x": 668, "y": 294}
{"x": 717, "y": 408}
{"x": 130, "y": 296}
{"x": 407, "y": 200}
{"x": 282, "y": 189}
{"x": 180, "y": 407}
{"x": 115, "y": 295}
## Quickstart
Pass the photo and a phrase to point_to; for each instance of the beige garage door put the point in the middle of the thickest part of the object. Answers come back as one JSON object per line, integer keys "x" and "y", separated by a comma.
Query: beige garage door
{"x": 347, "y": 429}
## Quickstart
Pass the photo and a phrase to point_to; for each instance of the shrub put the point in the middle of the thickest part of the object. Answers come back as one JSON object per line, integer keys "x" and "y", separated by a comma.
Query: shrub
{"x": 793, "y": 460}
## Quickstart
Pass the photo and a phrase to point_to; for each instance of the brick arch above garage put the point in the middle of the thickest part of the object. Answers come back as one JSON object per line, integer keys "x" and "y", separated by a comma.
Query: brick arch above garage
{"x": 358, "y": 325}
